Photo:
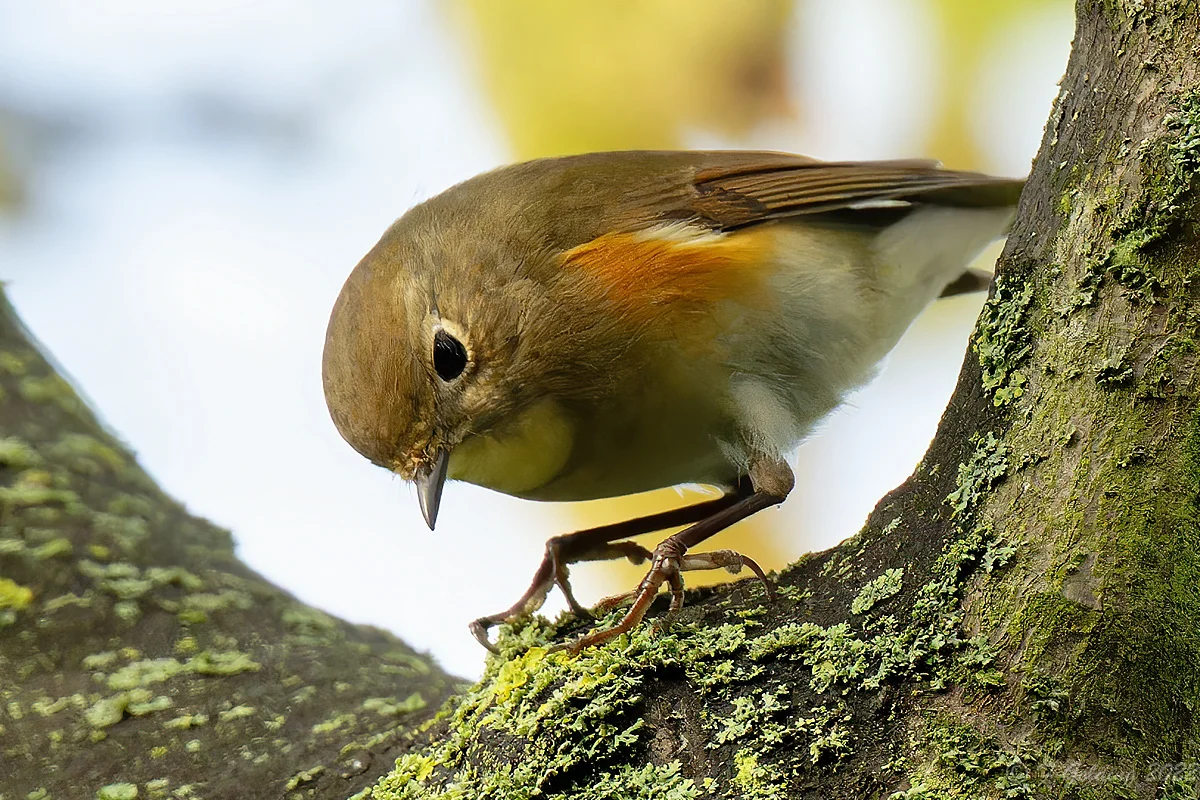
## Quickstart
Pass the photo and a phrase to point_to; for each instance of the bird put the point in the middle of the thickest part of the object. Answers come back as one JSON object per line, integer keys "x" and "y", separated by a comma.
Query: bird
{"x": 604, "y": 324}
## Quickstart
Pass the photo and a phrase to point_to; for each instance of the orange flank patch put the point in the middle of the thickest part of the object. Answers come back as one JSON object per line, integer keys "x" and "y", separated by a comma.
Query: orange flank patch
{"x": 677, "y": 268}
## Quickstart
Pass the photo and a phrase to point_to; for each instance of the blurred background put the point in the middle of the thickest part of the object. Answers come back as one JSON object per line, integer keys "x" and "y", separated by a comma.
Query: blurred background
{"x": 184, "y": 186}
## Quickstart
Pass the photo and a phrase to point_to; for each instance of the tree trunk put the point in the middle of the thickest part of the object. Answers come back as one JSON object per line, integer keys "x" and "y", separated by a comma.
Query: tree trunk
{"x": 1019, "y": 619}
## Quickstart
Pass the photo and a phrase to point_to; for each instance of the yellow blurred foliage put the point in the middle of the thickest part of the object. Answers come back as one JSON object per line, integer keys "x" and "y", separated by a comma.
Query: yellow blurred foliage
{"x": 569, "y": 77}
{"x": 966, "y": 28}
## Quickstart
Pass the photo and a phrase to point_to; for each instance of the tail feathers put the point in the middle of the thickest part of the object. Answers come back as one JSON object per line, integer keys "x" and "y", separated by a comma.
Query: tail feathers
{"x": 985, "y": 192}
{"x": 925, "y": 252}
{"x": 933, "y": 245}
{"x": 970, "y": 282}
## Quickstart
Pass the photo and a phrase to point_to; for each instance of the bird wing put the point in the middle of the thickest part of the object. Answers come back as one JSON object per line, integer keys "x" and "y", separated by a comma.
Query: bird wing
{"x": 732, "y": 190}
{"x": 627, "y": 195}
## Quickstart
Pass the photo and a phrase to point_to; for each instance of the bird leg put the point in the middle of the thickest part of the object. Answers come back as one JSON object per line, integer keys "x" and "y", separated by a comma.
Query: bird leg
{"x": 671, "y": 558}
{"x": 598, "y": 544}
{"x": 728, "y": 560}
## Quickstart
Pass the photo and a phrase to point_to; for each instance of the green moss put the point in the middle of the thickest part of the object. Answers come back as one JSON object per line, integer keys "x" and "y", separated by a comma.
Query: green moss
{"x": 51, "y": 389}
{"x": 987, "y": 465}
{"x": 16, "y": 454}
{"x": 128, "y": 588}
{"x": 334, "y": 723}
{"x": 173, "y": 576}
{"x": 68, "y": 601}
{"x": 128, "y": 533}
{"x": 127, "y": 611}
{"x": 876, "y": 591}
{"x": 829, "y": 731}
{"x": 304, "y": 695}
{"x": 761, "y": 714}
{"x": 13, "y": 595}
{"x": 308, "y": 625}
{"x": 1182, "y": 783}
{"x": 1115, "y": 372}
{"x": 130, "y": 682}
{"x": 237, "y": 712}
{"x": 48, "y": 707}
{"x": 204, "y": 603}
{"x": 529, "y": 694}
{"x": 13, "y": 364}
{"x": 110, "y": 710}
{"x": 51, "y": 549}
{"x": 1002, "y": 341}
{"x": 391, "y": 707}
{"x": 229, "y": 662}
{"x": 649, "y": 782}
{"x": 303, "y": 777}
{"x": 560, "y": 713}
{"x": 1174, "y": 160}
{"x": 100, "y": 661}
{"x": 118, "y": 791}
{"x": 35, "y": 487}
{"x": 1151, "y": 563}
{"x": 158, "y": 787}
{"x": 186, "y": 721}
{"x": 86, "y": 454}
{"x": 158, "y": 703}
{"x": 121, "y": 579}
{"x": 1157, "y": 381}
{"x": 754, "y": 780}
{"x": 963, "y": 763}
{"x": 128, "y": 505}
{"x": 1047, "y": 695}
{"x": 142, "y": 673}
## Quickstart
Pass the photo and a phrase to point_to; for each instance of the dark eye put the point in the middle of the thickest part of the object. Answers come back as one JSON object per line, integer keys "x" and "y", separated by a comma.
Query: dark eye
{"x": 449, "y": 356}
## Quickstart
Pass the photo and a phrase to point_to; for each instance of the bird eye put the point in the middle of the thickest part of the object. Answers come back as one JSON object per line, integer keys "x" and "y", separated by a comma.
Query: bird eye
{"x": 449, "y": 356}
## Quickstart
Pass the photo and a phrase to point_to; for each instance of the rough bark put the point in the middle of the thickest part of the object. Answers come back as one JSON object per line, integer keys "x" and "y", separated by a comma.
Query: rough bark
{"x": 137, "y": 653}
{"x": 1019, "y": 619}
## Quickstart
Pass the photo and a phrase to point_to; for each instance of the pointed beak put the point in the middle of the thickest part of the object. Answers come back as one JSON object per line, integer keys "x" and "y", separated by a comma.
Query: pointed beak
{"x": 430, "y": 480}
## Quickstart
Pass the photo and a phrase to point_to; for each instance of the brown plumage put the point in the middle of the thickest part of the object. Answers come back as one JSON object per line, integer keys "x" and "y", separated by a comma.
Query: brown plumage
{"x": 617, "y": 322}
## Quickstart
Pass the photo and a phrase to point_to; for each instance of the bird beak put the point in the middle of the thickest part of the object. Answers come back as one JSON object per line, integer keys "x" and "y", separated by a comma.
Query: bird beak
{"x": 430, "y": 480}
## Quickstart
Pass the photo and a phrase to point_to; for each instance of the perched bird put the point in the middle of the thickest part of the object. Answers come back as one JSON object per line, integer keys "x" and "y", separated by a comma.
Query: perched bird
{"x": 604, "y": 324}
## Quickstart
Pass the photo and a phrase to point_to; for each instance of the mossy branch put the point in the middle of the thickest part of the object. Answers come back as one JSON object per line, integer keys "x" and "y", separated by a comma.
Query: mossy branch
{"x": 1019, "y": 619}
{"x": 139, "y": 658}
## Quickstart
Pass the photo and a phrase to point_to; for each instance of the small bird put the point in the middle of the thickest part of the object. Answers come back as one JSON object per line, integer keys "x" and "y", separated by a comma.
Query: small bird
{"x": 604, "y": 324}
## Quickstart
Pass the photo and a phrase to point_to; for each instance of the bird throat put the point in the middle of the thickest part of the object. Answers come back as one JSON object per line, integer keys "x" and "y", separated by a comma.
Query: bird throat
{"x": 520, "y": 456}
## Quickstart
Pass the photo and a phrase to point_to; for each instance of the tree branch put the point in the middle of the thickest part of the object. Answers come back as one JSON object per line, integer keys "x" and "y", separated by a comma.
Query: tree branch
{"x": 1019, "y": 619}
{"x": 137, "y": 651}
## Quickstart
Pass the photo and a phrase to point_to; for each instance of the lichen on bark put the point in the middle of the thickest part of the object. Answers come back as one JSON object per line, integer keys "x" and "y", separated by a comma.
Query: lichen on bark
{"x": 1019, "y": 619}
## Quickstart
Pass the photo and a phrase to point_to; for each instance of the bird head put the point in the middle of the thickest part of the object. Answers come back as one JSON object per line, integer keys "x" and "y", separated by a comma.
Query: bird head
{"x": 439, "y": 338}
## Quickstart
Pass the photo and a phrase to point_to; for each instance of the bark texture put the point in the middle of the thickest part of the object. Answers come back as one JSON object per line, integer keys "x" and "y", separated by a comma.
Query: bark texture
{"x": 1019, "y": 619}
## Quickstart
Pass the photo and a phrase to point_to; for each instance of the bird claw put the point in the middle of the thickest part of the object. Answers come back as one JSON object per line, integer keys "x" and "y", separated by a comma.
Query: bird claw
{"x": 667, "y": 565}
{"x": 552, "y": 572}
{"x": 668, "y": 561}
